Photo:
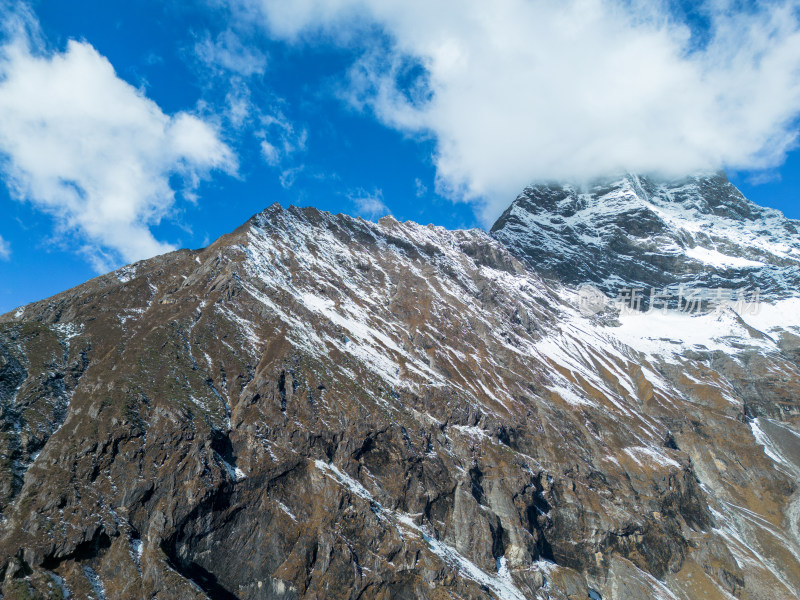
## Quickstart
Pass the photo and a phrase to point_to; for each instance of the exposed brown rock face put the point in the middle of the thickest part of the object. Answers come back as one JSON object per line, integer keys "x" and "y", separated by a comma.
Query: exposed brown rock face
{"x": 320, "y": 407}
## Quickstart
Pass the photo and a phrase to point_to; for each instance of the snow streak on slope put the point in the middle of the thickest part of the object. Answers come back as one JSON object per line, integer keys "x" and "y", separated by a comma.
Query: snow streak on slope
{"x": 376, "y": 292}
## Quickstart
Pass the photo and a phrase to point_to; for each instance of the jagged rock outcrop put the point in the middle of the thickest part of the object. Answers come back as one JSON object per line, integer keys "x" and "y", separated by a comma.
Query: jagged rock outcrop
{"x": 316, "y": 406}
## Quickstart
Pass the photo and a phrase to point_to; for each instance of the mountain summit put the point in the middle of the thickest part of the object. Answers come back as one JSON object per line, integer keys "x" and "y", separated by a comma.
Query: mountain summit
{"x": 316, "y": 406}
{"x": 640, "y": 232}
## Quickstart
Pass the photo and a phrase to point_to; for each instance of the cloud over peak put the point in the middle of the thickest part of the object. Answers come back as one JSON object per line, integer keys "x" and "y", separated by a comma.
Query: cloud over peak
{"x": 520, "y": 90}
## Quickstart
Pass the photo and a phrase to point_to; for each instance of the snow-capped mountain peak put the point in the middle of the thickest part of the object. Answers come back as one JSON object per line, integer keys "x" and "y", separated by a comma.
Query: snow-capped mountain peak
{"x": 642, "y": 232}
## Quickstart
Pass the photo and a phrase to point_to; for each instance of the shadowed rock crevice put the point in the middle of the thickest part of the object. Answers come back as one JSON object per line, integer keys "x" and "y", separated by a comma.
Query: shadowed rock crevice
{"x": 205, "y": 580}
{"x": 182, "y": 547}
{"x": 85, "y": 551}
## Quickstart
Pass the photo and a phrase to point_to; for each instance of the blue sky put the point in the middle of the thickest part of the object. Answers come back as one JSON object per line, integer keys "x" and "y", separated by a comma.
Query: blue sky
{"x": 132, "y": 128}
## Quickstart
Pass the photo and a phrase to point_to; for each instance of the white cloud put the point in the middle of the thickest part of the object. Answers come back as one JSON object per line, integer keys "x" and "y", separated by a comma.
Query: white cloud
{"x": 523, "y": 90}
{"x": 228, "y": 53}
{"x": 420, "y": 189}
{"x": 271, "y": 154}
{"x": 229, "y": 62}
{"x": 279, "y": 138}
{"x": 5, "y": 249}
{"x": 289, "y": 175}
{"x": 369, "y": 205}
{"x": 86, "y": 147}
{"x": 226, "y": 62}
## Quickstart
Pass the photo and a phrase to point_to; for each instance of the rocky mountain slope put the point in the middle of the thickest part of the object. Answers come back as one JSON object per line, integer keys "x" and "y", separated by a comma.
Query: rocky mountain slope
{"x": 316, "y": 406}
